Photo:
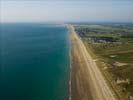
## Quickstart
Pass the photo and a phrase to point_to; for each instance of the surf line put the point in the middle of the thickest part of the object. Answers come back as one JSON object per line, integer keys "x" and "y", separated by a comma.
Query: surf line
{"x": 70, "y": 56}
{"x": 70, "y": 82}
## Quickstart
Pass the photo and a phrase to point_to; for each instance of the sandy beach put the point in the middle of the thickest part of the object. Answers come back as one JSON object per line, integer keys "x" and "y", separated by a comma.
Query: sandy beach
{"x": 87, "y": 82}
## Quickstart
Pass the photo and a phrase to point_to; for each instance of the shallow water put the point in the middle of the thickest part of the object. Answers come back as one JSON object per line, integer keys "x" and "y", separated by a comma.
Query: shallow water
{"x": 34, "y": 62}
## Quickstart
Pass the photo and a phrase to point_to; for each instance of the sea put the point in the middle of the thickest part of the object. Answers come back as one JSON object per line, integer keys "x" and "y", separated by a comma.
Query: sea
{"x": 34, "y": 61}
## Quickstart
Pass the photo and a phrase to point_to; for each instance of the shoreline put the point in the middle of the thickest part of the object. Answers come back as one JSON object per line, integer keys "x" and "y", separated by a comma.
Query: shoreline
{"x": 70, "y": 68}
{"x": 87, "y": 82}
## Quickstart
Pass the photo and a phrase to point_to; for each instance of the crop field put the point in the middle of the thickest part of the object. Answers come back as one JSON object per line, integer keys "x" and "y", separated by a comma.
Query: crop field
{"x": 113, "y": 45}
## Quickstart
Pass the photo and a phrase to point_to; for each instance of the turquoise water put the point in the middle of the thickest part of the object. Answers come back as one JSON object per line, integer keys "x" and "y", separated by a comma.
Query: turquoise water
{"x": 34, "y": 62}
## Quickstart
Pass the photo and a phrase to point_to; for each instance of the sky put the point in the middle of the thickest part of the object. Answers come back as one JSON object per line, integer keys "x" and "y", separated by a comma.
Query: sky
{"x": 66, "y": 10}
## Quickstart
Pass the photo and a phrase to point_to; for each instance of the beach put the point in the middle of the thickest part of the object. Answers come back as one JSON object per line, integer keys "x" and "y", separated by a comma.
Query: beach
{"x": 87, "y": 82}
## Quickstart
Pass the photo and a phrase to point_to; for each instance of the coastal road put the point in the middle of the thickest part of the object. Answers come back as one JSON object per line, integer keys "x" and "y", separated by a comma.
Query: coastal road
{"x": 87, "y": 83}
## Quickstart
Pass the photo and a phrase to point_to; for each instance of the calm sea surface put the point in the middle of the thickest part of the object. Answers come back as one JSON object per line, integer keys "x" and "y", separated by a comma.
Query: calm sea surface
{"x": 34, "y": 62}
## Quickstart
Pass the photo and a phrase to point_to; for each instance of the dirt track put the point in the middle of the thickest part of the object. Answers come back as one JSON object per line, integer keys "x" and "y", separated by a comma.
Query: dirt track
{"x": 87, "y": 81}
